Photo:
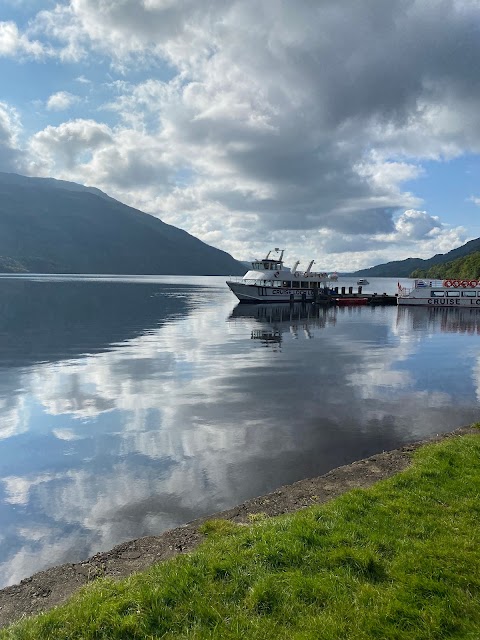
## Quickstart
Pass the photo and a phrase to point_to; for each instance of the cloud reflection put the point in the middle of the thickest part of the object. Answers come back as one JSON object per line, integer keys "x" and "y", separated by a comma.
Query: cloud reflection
{"x": 198, "y": 414}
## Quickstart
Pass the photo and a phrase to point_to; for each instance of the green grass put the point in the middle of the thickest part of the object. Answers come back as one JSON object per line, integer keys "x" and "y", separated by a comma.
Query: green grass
{"x": 398, "y": 561}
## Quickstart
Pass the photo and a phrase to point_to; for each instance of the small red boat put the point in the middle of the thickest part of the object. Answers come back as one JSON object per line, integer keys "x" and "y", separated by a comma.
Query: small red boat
{"x": 344, "y": 302}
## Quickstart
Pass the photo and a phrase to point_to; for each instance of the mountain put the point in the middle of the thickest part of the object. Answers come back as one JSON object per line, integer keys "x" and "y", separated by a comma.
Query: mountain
{"x": 404, "y": 268}
{"x": 465, "y": 268}
{"x": 53, "y": 226}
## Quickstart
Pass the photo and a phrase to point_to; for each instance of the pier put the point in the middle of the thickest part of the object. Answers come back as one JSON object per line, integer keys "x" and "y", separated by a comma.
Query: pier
{"x": 346, "y": 296}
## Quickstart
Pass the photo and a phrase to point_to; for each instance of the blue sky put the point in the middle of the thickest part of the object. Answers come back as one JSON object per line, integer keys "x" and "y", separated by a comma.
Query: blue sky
{"x": 447, "y": 188}
{"x": 345, "y": 132}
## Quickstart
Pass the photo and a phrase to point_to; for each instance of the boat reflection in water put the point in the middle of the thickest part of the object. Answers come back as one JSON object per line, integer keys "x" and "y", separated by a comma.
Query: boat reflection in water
{"x": 453, "y": 320}
{"x": 297, "y": 320}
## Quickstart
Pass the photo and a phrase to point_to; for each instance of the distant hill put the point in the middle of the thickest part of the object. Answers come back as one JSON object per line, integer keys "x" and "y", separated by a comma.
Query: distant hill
{"x": 467, "y": 268}
{"x": 404, "y": 268}
{"x": 53, "y": 226}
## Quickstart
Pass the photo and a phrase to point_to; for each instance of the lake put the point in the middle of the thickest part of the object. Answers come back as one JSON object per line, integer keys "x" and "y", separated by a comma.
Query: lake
{"x": 130, "y": 405}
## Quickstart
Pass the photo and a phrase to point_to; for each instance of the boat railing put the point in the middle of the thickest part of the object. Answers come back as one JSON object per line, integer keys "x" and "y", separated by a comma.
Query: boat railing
{"x": 422, "y": 282}
{"x": 300, "y": 277}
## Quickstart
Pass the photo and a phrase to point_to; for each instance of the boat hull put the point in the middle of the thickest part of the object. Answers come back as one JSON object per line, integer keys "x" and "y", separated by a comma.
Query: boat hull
{"x": 257, "y": 293}
{"x": 472, "y": 303}
{"x": 351, "y": 302}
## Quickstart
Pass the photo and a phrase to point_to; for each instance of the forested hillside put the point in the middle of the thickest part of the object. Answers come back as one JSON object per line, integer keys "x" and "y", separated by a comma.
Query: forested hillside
{"x": 404, "y": 268}
{"x": 462, "y": 268}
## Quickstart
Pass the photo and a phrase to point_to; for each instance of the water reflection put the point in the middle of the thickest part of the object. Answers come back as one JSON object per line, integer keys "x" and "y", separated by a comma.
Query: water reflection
{"x": 457, "y": 320}
{"x": 48, "y": 320}
{"x": 128, "y": 408}
{"x": 299, "y": 320}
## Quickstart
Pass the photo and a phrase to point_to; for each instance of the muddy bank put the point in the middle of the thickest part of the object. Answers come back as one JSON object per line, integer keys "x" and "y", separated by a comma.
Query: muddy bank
{"x": 53, "y": 586}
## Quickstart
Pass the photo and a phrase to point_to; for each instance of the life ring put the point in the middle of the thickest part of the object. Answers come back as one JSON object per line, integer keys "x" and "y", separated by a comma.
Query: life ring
{"x": 276, "y": 274}
{"x": 465, "y": 283}
{"x": 455, "y": 283}
{"x": 447, "y": 283}
{"x": 473, "y": 283}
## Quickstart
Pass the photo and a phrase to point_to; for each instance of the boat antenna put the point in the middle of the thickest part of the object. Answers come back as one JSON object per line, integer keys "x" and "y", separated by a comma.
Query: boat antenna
{"x": 309, "y": 266}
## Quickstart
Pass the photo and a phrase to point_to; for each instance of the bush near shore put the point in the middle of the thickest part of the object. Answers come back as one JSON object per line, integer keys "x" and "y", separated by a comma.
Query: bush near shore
{"x": 397, "y": 561}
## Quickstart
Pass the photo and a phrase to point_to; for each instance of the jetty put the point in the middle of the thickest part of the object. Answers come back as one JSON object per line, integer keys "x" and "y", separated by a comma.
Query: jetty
{"x": 344, "y": 296}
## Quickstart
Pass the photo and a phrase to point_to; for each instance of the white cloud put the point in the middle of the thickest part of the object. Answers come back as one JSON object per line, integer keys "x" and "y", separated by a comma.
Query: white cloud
{"x": 10, "y": 132}
{"x": 13, "y": 43}
{"x": 272, "y": 120}
{"x": 66, "y": 434}
{"x": 71, "y": 144}
{"x": 417, "y": 224}
{"x": 61, "y": 100}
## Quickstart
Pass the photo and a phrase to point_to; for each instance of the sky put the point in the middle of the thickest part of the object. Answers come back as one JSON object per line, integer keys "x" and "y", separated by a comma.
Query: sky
{"x": 345, "y": 132}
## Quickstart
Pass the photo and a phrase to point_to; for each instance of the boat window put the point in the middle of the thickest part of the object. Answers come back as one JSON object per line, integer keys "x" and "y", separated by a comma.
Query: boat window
{"x": 304, "y": 284}
{"x": 295, "y": 284}
{"x": 469, "y": 294}
{"x": 438, "y": 294}
{"x": 286, "y": 283}
{"x": 314, "y": 284}
{"x": 453, "y": 294}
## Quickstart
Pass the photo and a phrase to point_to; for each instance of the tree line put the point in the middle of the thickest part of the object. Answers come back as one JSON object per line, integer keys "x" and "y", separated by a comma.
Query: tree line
{"x": 467, "y": 267}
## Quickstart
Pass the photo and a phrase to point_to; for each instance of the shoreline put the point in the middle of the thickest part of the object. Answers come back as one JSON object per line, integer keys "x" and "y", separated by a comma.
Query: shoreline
{"x": 55, "y": 585}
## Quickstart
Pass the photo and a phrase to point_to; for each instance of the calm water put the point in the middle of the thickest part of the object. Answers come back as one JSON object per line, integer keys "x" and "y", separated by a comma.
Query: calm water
{"x": 132, "y": 405}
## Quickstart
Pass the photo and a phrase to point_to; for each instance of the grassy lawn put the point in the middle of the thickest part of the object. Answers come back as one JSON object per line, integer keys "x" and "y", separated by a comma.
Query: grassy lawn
{"x": 398, "y": 561}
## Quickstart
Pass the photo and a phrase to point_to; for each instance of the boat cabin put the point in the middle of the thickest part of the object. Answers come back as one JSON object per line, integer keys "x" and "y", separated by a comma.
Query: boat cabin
{"x": 267, "y": 265}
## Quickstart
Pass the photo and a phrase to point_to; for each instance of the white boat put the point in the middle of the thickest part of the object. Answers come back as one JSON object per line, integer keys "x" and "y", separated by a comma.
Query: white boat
{"x": 269, "y": 280}
{"x": 363, "y": 281}
{"x": 441, "y": 293}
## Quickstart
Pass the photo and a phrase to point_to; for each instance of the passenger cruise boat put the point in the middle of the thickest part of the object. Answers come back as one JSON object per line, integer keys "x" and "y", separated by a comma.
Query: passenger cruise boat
{"x": 441, "y": 293}
{"x": 269, "y": 280}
